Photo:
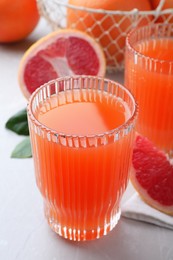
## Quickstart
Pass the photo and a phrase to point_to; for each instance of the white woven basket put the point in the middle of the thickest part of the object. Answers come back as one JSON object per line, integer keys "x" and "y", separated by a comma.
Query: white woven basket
{"x": 55, "y": 12}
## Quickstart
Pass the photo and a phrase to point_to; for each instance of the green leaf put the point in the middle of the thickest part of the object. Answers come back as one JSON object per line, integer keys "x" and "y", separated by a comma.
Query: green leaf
{"x": 23, "y": 149}
{"x": 18, "y": 123}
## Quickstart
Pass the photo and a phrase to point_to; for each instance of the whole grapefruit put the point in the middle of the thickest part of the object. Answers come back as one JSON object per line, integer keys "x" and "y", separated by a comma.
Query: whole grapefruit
{"x": 18, "y": 18}
{"x": 104, "y": 27}
{"x": 168, "y": 4}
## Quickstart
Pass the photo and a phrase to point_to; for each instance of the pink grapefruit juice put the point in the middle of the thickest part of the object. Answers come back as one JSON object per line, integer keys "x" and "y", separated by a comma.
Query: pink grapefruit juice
{"x": 82, "y": 167}
{"x": 149, "y": 75}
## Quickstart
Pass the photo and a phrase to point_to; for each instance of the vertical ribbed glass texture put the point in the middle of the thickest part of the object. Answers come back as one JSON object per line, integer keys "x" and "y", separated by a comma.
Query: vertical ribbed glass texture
{"x": 81, "y": 177}
{"x": 149, "y": 76}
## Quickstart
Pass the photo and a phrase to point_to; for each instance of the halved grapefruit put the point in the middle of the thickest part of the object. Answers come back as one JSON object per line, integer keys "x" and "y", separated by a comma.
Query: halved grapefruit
{"x": 61, "y": 53}
{"x": 152, "y": 175}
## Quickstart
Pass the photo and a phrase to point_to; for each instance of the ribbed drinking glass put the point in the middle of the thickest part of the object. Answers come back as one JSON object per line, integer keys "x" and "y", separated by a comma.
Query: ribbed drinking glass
{"x": 82, "y": 133}
{"x": 149, "y": 76}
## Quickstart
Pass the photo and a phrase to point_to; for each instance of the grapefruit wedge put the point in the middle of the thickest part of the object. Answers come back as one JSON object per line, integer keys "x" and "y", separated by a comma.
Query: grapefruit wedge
{"x": 152, "y": 175}
{"x": 61, "y": 53}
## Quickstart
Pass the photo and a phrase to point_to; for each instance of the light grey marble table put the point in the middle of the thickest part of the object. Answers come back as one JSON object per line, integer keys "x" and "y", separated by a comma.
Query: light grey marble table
{"x": 24, "y": 233}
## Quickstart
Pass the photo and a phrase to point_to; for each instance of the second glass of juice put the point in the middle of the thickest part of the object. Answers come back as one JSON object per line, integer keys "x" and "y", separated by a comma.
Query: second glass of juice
{"x": 149, "y": 75}
{"x": 82, "y": 133}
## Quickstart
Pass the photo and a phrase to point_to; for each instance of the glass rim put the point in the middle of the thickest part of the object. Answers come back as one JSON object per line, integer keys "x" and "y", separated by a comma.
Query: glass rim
{"x": 125, "y": 125}
{"x": 135, "y": 30}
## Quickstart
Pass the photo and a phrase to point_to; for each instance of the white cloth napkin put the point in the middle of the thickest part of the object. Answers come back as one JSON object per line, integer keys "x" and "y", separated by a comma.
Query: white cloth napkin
{"x": 135, "y": 208}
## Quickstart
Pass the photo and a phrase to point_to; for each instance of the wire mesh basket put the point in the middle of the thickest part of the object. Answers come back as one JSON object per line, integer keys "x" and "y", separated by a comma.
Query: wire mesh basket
{"x": 109, "y": 28}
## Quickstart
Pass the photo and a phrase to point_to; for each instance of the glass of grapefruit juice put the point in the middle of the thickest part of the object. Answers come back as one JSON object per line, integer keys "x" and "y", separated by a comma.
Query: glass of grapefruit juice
{"x": 149, "y": 75}
{"x": 82, "y": 133}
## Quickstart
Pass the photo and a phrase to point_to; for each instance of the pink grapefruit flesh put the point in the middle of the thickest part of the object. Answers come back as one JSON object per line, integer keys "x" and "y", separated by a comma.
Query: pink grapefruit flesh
{"x": 61, "y": 53}
{"x": 152, "y": 175}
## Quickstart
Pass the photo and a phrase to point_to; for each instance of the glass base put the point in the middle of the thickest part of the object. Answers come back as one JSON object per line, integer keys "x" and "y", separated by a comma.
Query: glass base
{"x": 78, "y": 234}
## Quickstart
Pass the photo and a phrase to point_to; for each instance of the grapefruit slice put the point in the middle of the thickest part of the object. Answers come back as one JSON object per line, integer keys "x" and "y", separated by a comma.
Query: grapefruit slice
{"x": 152, "y": 175}
{"x": 61, "y": 53}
